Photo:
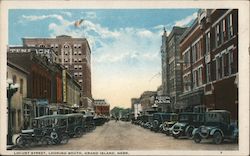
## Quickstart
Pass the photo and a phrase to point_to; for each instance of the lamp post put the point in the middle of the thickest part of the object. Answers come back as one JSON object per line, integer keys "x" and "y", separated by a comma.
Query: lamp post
{"x": 11, "y": 90}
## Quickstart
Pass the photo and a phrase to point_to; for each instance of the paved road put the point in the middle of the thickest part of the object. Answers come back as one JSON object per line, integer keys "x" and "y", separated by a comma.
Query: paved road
{"x": 125, "y": 136}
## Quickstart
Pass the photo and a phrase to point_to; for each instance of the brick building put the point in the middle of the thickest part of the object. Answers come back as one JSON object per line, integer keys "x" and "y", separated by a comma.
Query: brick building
{"x": 101, "y": 107}
{"x": 209, "y": 50}
{"x": 75, "y": 55}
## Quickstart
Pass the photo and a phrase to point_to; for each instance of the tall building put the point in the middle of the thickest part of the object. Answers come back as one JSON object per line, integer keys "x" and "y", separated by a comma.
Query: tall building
{"x": 210, "y": 55}
{"x": 171, "y": 71}
{"x": 75, "y": 55}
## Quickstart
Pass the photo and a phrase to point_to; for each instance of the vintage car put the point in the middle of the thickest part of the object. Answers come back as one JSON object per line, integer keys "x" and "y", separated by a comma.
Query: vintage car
{"x": 75, "y": 124}
{"x": 217, "y": 127}
{"x": 99, "y": 120}
{"x": 187, "y": 122}
{"x": 146, "y": 121}
{"x": 89, "y": 123}
{"x": 169, "y": 122}
{"x": 49, "y": 129}
{"x": 159, "y": 119}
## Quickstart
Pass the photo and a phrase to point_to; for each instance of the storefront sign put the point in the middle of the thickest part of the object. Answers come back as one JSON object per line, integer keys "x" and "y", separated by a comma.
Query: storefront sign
{"x": 162, "y": 99}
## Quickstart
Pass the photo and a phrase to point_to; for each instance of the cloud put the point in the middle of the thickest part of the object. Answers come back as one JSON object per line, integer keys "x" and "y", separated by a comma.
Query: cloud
{"x": 42, "y": 17}
{"x": 186, "y": 21}
{"x": 69, "y": 14}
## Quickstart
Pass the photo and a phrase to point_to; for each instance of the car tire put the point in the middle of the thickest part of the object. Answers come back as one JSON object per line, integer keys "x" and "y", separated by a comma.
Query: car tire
{"x": 217, "y": 138}
{"x": 20, "y": 142}
{"x": 176, "y": 136}
{"x": 78, "y": 132}
{"x": 197, "y": 138}
{"x": 64, "y": 139}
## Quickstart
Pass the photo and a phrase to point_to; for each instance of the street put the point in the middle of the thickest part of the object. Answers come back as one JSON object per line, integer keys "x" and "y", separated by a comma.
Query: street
{"x": 126, "y": 136}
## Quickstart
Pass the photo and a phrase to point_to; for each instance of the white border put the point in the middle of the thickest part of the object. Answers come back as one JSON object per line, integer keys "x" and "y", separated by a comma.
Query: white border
{"x": 243, "y": 7}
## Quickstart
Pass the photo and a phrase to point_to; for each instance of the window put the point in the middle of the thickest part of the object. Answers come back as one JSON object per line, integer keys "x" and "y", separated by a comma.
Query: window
{"x": 218, "y": 67}
{"x": 66, "y": 46}
{"x": 75, "y": 53}
{"x": 80, "y": 81}
{"x": 80, "y": 66}
{"x": 14, "y": 79}
{"x": 66, "y": 66}
{"x": 199, "y": 76}
{"x": 186, "y": 59}
{"x": 233, "y": 69}
{"x": 66, "y": 60}
{"x": 194, "y": 58}
{"x": 230, "y": 25}
{"x": 80, "y": 74}
{"x": 75, "y": 74}
{"x": 75, "y": 66}
{"x": 217, "y": 35}
{"x": 21, "y": 86}
{"x": 224, "y": 32}
{"x": 226, "y": 64}
{"x": 207, "y": 42}
{"x": 195, "y": 78}
{"x": 75, "y": 60}
{"x": 208, "y": 72}
{"x": 79, "y": 53}
{"x": 42, "y": 46}
{"x": 80, "y": 60}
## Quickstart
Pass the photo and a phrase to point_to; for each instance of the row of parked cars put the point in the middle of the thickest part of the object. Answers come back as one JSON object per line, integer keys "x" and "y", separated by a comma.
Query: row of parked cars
{"x": 213, "y": 124}
{"x": 57, "y": 129}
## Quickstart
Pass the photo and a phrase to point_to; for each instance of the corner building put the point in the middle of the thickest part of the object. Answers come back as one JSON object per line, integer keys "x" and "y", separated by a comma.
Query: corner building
{"x": 210, "y": 50}
{"x": 75, "y": 55}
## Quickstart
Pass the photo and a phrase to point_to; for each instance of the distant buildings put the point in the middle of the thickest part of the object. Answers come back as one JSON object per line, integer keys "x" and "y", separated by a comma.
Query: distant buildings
{"x": 75, "y": 55}
{"x": 101, "y": 107}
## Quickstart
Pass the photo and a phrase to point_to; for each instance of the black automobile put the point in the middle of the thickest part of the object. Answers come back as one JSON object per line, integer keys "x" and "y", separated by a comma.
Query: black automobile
{"x": 187, "y": 122}
{"x": 89, "y": 122}
{"x": 49, "y": 129}
{"x": 217, "y": 127}
{"x": 159, "y": 119}
{"x": 99, "y": 120}
{"x": 75, "y": 124}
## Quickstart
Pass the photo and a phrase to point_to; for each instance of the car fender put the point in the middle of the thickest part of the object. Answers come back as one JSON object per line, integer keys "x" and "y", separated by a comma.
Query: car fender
{"x": 188, "y": 128}
{"x": 215, "y": 130}
{"x": 195, "y": 131}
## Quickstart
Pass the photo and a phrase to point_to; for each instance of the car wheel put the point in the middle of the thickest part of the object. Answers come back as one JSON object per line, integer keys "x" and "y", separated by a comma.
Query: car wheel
{"x": 189, "y": 132}
{"x": 49, "y": 141}
{"x": 217, "y": 138}
{"x": 20, "y": 141}
{"x": 197, "y": 138}
{"x": 78, "y": 132}
{"x": 64, "y": 139}
{"x": 177, "y": 135}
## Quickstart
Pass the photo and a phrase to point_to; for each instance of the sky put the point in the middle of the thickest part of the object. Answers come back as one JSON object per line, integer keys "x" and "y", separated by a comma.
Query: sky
{"x": 125, "y": 43}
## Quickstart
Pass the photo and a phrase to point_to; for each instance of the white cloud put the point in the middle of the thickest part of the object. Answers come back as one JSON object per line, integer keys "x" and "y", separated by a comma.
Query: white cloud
{"x": 186, "y": 21}
{"x": 42, "y": 17}
{"x": 69, "y": 14}
{"x": 90, "y": 15}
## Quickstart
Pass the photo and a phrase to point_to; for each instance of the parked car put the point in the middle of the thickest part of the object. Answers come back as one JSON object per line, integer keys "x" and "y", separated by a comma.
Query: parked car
{"x": 75, "y": 125}
{"x": 99, "y": 120}
{"x": 89, "y": 123}
{"x": 217, "y": 127}
{"x": 187, "y": 122}
{"x": 159, "y": 119}
{"x": 170, "y": 121}
{"x": 49, "y": 129}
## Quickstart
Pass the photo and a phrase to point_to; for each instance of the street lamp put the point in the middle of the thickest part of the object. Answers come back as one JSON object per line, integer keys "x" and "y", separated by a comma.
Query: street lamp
{"x": 11, "y": 90}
